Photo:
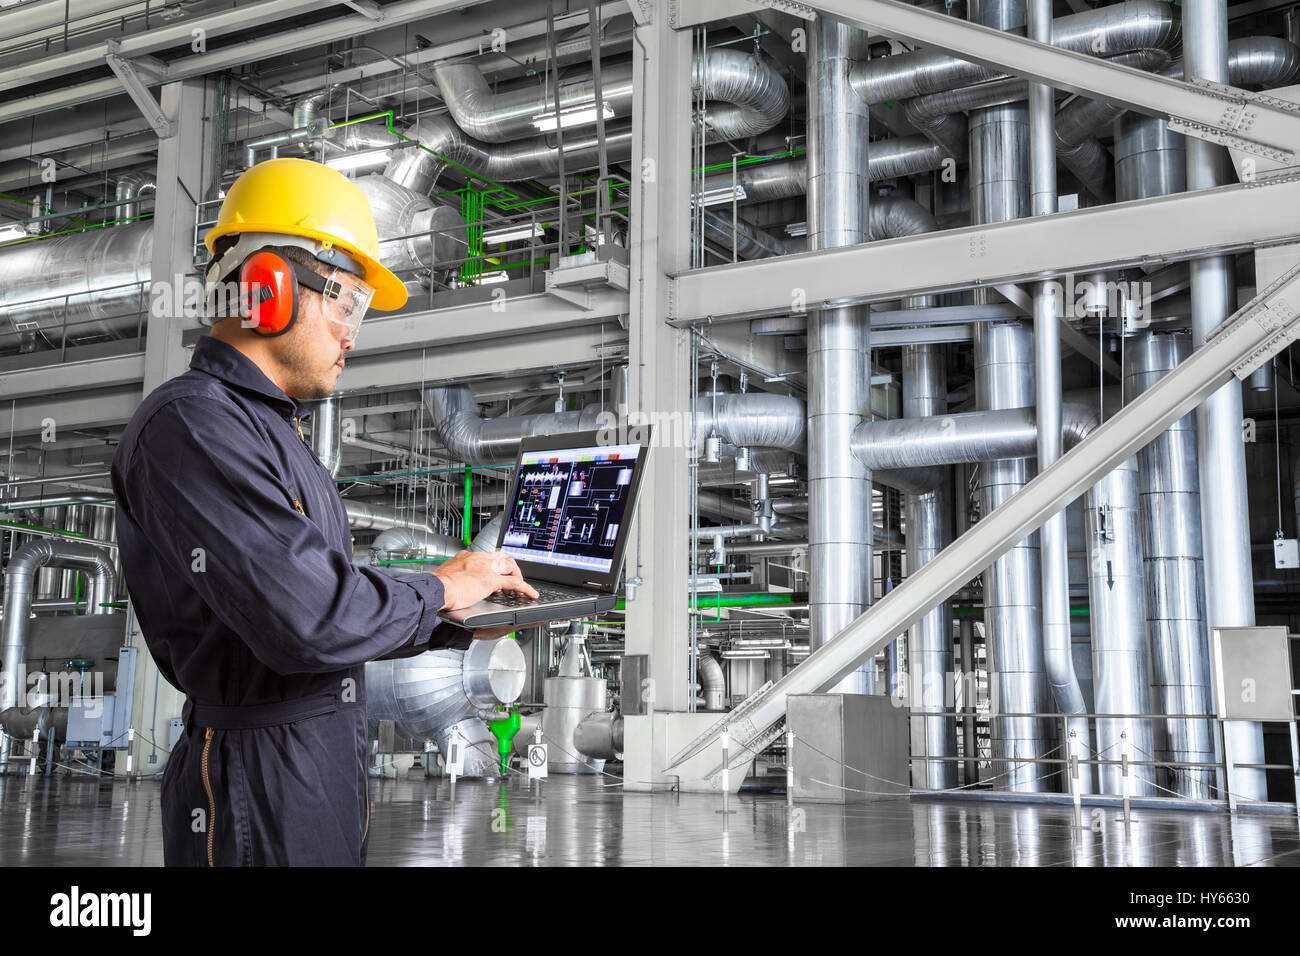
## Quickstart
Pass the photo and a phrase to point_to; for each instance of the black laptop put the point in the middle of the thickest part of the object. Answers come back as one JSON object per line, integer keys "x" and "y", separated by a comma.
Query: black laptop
{"x": 567, "y": 523}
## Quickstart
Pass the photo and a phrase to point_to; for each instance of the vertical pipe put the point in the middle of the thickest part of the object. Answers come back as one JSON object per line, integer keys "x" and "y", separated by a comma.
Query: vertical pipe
{"x": 1225, "y": 521}
{"x": 839, "y": 391}
{"x": 966, "y": 634}
{"x": 465, "y": 520}
{"x": 1054, "y": 548}
{"x": 327, "y": 433}
{"x": 1121, "y": 675}
{"x": 925, "y": 393}
{"x": 1174, "y": 574}
{"x": 1004, "y": 378}
{"x": 602, "y": 194}
{"x": 554, "y": 68}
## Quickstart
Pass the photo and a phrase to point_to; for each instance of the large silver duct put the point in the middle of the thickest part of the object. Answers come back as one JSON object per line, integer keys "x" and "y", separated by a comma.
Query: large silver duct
{"x": 1225, "y": 519}
{"x": 741, "y": 237}
{"x": 1150, "y": 162}
{"x": 428, "y": 544}
{"x": 839, "y": 364}
{"x": 572, "y": 697}
{"x": 752, "y": 419}
{"x": 19, "y": 579}
{"x": 1119, "y": 28}
{"x": 787, "y": 178}
{"x": 130, "y": 186}
{"x": 95, "y": 283}
{"x": 1252, "y": 61}
{"x": 713, "y": 684}
{"x": 379, "y": 516}
{"x": 1175, "y": 586}
{"x": 409, "y": 217}
{"x": 439, "y": 694}
{"x": 1004, "y": 378}
{"x": 1117, "y": 610}
{"x": 444, "y": 143}
{"x": 753, "y": 97}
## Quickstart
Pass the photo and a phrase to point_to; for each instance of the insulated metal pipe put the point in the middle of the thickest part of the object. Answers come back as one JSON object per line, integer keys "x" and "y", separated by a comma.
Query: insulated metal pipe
{"x": 925, "y": 394}
{"x": 327, "y": 433}
{"x": 1225, "y": 517}
{"x": 839, "y": 365}
{"x": 1121, "y": 674}
{"x": 20, "y": 577}
{"x": 1004, "y": 378}
{"x": 1150, "y": 161}
{"x": 1174, "y": 573}
{"x": 1058, "y": 657}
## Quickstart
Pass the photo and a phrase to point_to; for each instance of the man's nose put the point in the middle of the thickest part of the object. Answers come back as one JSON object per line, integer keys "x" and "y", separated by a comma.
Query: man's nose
{"x": 348, "y": 344}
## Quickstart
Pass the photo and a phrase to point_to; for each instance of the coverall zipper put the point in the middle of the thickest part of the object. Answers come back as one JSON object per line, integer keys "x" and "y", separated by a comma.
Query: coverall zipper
{"x": 208, "y": 734}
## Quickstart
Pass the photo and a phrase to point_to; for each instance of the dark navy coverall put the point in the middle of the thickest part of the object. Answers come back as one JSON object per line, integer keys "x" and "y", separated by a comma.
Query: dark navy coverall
{"x": 237, "y": 554}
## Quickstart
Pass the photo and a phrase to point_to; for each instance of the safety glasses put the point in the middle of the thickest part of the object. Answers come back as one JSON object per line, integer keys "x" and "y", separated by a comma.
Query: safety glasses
{"x": 346, "y": 298}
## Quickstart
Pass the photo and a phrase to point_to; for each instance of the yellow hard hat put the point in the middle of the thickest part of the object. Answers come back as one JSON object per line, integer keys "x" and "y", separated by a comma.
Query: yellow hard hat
{"x": 299, "y": 197}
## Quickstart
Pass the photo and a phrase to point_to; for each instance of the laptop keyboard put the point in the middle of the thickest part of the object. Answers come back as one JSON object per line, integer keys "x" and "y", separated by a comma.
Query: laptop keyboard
{"x": 544, "y": 596}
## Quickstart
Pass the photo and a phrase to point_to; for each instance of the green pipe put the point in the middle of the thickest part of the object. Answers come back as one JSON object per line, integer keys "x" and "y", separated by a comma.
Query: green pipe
{"x": 36, "y": 527}
{"x": 759, "y": 599}
{"x": 466, "y": 537}
{"x": 977, "y": 611}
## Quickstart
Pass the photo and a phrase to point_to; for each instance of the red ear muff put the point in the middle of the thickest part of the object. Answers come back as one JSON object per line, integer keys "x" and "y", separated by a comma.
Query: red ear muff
{"x": 272, "y": 292}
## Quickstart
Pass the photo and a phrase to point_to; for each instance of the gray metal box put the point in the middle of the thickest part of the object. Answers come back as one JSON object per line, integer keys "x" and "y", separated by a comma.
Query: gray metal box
{"x": 633, "y": 670}
{"x": 1252, "y": 673}
{"x": 848, "y": 748}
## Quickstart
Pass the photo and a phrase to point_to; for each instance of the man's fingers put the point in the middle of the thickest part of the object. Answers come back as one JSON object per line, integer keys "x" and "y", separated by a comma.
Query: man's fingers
{"x": 517, "y": 583}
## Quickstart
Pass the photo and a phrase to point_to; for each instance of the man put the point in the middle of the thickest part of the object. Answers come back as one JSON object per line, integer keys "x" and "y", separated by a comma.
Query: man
{"x": 236, "y": 548}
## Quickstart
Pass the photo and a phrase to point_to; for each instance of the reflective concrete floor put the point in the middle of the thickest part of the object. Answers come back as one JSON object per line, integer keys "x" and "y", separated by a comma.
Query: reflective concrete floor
{"x": 586, "y": 821}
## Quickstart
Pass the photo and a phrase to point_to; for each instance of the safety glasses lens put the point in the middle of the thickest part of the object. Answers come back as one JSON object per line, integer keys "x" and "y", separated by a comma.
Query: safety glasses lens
{"x": 353, "y": 301}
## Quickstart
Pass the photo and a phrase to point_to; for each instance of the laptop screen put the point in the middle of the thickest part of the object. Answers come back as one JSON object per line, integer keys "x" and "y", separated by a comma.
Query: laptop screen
{"x": 570, "y": 505}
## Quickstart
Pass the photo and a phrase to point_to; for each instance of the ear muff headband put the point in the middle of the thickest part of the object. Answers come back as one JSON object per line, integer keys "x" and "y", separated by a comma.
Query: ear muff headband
{"x": 273, "y": 292}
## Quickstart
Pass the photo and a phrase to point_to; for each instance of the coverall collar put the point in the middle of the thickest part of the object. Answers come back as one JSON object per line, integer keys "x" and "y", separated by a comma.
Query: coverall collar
{"x": 223, "y": 361}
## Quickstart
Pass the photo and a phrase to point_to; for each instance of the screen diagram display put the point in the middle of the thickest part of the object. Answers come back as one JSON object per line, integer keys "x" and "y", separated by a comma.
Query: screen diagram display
{"x": 569, "y": 504}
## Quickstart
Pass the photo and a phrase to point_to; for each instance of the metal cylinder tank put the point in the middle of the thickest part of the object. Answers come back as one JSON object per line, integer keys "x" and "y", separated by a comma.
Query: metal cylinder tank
{"x": 435, "y": 695}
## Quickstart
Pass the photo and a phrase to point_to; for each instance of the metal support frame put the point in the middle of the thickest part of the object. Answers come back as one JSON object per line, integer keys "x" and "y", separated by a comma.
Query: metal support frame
{"x": 126, "y": 72}
{"x": 179, "y": 188}
{"x": 1254, "y": 122}
{"x": 1248, "y": 339}
{"x": 135, "y": 45}
{"x": 660, "y": 375}
{"x": 237, "y": 54}
{"x": 1158, "y": 230}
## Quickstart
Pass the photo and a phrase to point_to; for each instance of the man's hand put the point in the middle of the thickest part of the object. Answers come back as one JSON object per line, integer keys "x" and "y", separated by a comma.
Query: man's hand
{"x": 471, "y": 576}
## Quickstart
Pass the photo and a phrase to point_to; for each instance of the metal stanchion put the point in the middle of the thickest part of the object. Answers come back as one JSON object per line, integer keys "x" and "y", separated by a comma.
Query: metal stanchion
{"x": 789, "y": 765}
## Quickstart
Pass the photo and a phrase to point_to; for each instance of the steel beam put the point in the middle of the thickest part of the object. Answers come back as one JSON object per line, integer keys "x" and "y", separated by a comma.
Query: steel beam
{"x": 181, "y": 33}
{"x": 473, "y": 358}
{"x": 1255, "y": 122}
{"x": 1246, "y": 341}
{"x": 492, "y": 318}
{"x": 1143, "y": 232}
{"x": 251, "y": 51}
{"x": 125, "y": 71}
{"x": 98, "y": 373}
{"x": 179, "y": 188}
